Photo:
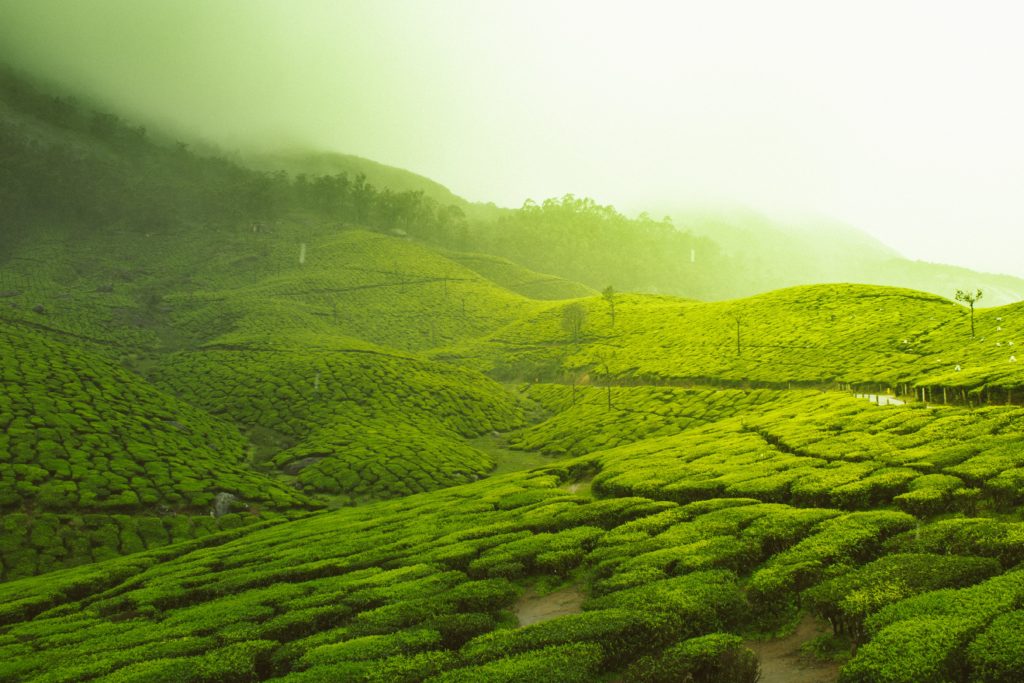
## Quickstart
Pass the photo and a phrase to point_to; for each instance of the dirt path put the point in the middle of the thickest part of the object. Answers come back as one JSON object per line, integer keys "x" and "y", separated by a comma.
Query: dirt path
{"x": 781, "y": 661}
{"x": 532, "y": 608}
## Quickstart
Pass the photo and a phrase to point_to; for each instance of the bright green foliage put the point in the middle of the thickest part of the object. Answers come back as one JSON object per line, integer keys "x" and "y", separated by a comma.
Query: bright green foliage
{"x": 925, "y": 637}
{"x": 577, "y": 663}
{"x": 849, "y": 539}
{"x": 918, "y": 649}
{"x": 520, "y": 280}
{"x": 82, "y": 434}
{"x": 816, "y": 335}
{"x": 826, "y": 450}
{"x": 714, "y": 657}
{"x": 709, "y": 477}
{"x": 623, "y": 634}
{"x": 40, "y": 543}
{"x": 639, "y": 413}
{"x": 997, "y": 654}
{"x": 986, "y": 537}
{"x": 359, "y": 423}
{"x": 689, "y": 605}
{"x": 847, "y": 600}
{"x": 384, "y": 588}
{"x": 978, "y": 603}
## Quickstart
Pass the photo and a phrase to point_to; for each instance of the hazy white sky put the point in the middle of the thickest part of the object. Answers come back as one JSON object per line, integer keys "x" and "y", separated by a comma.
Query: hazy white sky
{"x": 905, "y": 119}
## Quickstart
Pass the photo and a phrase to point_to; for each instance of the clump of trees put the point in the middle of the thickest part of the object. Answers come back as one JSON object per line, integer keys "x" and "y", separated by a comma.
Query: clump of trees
{"x": 581, "y": 240}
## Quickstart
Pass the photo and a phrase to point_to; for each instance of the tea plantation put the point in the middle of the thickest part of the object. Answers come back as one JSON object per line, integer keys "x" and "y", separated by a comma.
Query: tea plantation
{"x": 268, "y": 452}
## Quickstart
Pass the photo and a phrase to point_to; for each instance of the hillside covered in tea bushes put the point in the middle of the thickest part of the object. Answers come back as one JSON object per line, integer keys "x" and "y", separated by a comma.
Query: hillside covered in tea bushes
{"x": 292, "y": 431}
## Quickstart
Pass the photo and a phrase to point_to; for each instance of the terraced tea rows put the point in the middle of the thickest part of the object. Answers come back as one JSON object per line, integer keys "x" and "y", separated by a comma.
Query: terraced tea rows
{"x": 830, "y": 449}
{"x": 583, "y": 421}
{"x": 80, "y": 433}
{"x": 376, "y": 288}
{"x": 95, "y": 462}
{"x": 355, "y": 423}
{"x": 42, "y": 542}
{"x": 419, "y": 588}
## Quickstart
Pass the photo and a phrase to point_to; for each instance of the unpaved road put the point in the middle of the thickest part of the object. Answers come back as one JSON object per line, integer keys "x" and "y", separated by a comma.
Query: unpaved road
{"x": 781, "y": 661}
{"x": 532, "y": 608}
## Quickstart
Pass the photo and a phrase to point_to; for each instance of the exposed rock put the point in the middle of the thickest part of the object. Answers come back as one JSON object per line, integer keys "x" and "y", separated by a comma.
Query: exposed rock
{"x": 222, "y": 503}
{"x": 296, "y": 466}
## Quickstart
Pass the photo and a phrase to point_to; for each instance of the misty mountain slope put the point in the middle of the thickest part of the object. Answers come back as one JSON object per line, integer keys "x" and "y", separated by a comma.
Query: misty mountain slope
{"x": 303, "y": 417}
{"x": 291, "y": 345}
{"x": 771, "y": 253}
{"x": 70, "y": 165}
{"x": 193, "y": 285}
{"x": 820, "y": 240}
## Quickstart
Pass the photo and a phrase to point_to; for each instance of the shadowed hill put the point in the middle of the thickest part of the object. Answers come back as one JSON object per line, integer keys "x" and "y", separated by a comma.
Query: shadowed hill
{"x": 191, "y": 286}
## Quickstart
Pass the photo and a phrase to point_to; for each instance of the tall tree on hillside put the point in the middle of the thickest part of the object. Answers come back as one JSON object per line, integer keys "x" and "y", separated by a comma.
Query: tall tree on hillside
{"x": 609, "y": 296}
{"x": 603, "y": 359}
{"x": 739, "y": 321}
{"x": 969, "y": 298}
{"x": 574, "y": 316}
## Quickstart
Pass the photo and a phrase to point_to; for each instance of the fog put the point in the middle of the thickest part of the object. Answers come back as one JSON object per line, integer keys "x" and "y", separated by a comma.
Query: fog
{"x": 903, "y": 119}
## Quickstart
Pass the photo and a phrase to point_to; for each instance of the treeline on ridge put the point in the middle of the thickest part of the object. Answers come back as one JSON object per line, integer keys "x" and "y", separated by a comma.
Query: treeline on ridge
{"x": 67, "y": 164}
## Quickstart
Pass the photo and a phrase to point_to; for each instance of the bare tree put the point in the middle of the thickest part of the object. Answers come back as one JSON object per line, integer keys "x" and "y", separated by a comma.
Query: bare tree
{"x": 969, "y": 298}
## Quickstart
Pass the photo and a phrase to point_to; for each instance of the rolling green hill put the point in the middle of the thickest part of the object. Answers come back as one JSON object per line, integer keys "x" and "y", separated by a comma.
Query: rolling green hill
{"x": 819, "y": 335}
